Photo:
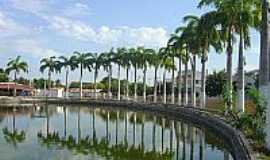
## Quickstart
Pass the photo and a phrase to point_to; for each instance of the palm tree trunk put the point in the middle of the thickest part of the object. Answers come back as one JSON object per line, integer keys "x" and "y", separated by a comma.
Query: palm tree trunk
{"x": 155, "y": 86}
{"x": 164, "y": 87}
{"x": 79, "y": 124}
{"x": 265, "y": 45}
{"x": 66, "y": 89}
{"x": 47, "y": 121}
{"x": 142, "y": 132}
{"x": 65, "y": 122}
{"x": 126, "y": 127}
{"x": 13, "y": 121}
{"x": 180, "y": 82}
{"x": 135, "y": 83}
{"x": 15, "y": 84}
{"x": 81, "y": 85}
{"x": 229, "y": 69}
{"x": 186, "y": 80}
{"x": 94, "y": 124}
{"x": 264, "y": 65}
{"x": 110, "y": 83}
{"x": 119, "y": 84}
{"x": 183, "y": 135}
{"x": 173, "y": 82}
{"x": 154, "y": 135}
{"x": 49, "y": 81}
{"x": 194, "y": 82}
{"x": 171, "y": 136}
{"x": 162, "y": 134}
{"x": 203, "y": 80}
{"x": 144, "y": 83}
{"x": 134, "y": 128}
{"x": 202, "y": 145}
{"x": 107, "y": 126}
{"x": 116, "y": 127}
{"x": 241, "y": 75}
{"x": 192, "y": 143}
{"x": 127, "y": 83}
{"x": 95, "y": 82}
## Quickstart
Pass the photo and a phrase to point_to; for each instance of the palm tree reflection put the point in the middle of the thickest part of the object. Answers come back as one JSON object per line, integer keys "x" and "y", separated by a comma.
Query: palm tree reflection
{"x": 13, "y": 137}
{"x": 100, "y": 147}
{"x": 181, "y": 138}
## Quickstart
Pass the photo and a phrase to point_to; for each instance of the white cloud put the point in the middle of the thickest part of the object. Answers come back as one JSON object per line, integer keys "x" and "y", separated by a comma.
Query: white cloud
{"x": 33, "y": 6}
{"x": 77, "y": 9}
{"x": 66, "y": 24}
{"x": 27, "y": 47}
{"x": 9, "y": 27}
{"x": 142, "y": 36}
{"x": 30, "y": 46}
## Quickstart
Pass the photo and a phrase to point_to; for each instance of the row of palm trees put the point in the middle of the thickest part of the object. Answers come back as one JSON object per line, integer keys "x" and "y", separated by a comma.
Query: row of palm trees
{"x": 217, "y": 29}
{"x": 138, "y": 58}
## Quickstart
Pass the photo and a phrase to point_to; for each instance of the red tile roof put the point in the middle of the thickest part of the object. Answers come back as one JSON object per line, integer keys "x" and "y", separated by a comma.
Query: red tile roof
{"x": 11, "y": 85}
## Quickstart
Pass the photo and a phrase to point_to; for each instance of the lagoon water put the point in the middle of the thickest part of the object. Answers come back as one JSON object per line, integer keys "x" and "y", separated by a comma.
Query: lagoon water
{"x": 88, "y": 133}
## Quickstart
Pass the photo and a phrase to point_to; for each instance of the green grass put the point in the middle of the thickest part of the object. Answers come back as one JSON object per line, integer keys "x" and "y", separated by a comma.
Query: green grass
{"x": 263, "y": 157}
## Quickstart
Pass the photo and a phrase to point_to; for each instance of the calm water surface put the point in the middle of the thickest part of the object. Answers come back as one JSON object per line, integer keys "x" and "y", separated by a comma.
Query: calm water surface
{"x": 65, "y": 133}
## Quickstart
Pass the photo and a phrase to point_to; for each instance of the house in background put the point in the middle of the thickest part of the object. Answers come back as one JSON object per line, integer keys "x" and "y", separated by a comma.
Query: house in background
{"x": 53, "y": 92}
{"x": 251, "y": 78}
{"x": 197, "y": 79}
{"x": 7, "y": 89}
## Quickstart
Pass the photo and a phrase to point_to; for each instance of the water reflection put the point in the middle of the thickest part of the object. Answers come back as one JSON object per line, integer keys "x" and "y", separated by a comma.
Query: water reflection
{"x": 13, "y": 136}
{"x": 107, "y": 134}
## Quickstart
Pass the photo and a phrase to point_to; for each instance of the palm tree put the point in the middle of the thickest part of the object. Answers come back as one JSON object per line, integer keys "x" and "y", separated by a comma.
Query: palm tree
{"x": 179, "y": 49}
{"x": 155, "y": 61}
{"x": 126, "y": 64}
{"x": 16, "y": 65}
{"x": 208, "y": 36}
{"x": 97, "y": 61}
{"x": 136, "y": 63}
{"x": 68, "y": 63}
{"x": 170, "y": 52}
{"x": 227, "y": 18}
{"x": 50, "y": 64}
{"x": 193, "y": 46}
{"x": 184, "y": 36}
{"x": 235, "y": 17}
{"x": 265, "y": 46}
{"x": 82, "y": 61}
{"x": 107, "y": 65}
{"x": 145, "y": 59}
{"x": 118, "y": 59}
{"x": 168, "y": 65}
{"x": 247, "y": 18}
{"x": 264, "y": 59}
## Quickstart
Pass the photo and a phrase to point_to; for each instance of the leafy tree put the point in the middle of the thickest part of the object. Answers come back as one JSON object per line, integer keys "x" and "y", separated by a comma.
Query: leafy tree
{"x": 107, "y": 66}
{"x": 3, "y": 76}
{"x": 51, "y": 65}
{"x": 82, "y": 61}
{"x": 24, "y": 81}
{"x": 118, "y": 60}
{"x": 145, "y": 56}
{"x": 16, "y": 65}
{"x": 96, "y": 61}
{"x": 127, "y": 65}
{"x": 68, "y": 63}
{"x": 155, "y": 61}
{"x": 215, "y": 83}
{"x": 39, "y": 83}
{"x": 136, "y": 63}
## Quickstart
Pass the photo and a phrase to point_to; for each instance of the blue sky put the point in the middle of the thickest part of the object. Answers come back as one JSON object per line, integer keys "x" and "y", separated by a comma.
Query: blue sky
{"x": 41, "y": 28}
